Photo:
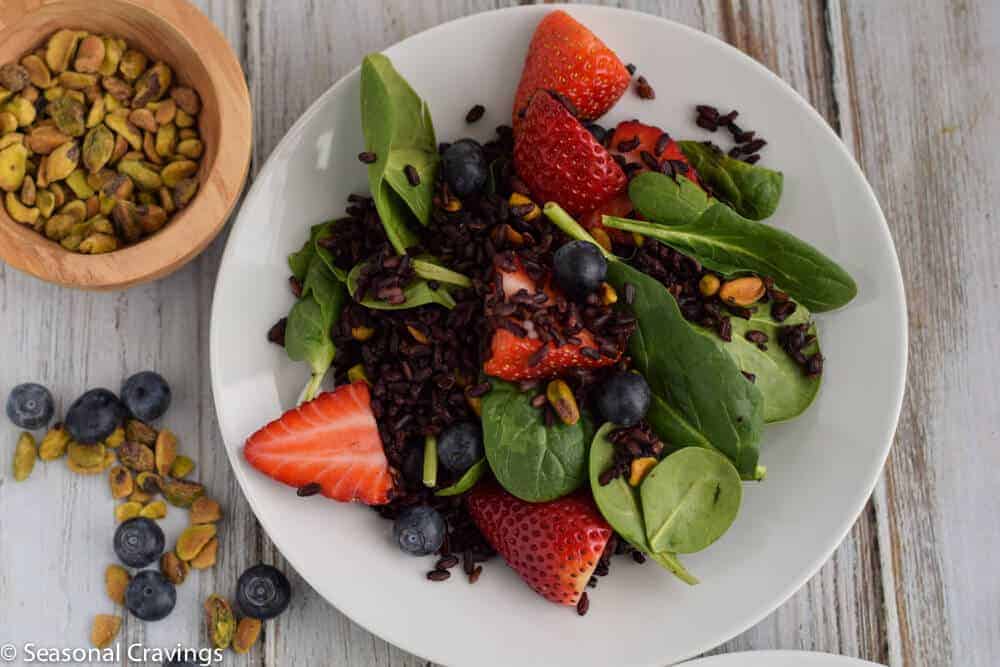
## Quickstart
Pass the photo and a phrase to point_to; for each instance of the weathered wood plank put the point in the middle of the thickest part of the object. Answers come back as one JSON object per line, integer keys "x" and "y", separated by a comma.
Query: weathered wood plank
{"x": 925, "y": 132}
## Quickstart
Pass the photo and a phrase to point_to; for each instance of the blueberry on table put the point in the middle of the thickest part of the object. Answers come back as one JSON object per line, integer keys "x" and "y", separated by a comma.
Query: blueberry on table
{"x": 94, "y": 416}
{"x": 150, "y": 596}
{"x": 460, "y": 446}
{"x": 30, "y": 406}
{"x": 465, "y": 167}
{"x": 419, "y": 530}
{"x": 146, "y": 395}
{"x": 138, "y": 542}
{"x": 263, "y": 592}
{"x": 624, "y": 398}
{"x": 580, "y": 268}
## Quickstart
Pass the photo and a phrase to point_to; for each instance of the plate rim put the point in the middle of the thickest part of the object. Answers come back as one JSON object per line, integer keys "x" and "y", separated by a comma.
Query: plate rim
{"x": 808, "y": 111}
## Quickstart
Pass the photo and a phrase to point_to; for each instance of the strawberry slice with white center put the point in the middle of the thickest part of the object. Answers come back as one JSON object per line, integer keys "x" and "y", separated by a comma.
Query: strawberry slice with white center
{"x": 332, "y": 441}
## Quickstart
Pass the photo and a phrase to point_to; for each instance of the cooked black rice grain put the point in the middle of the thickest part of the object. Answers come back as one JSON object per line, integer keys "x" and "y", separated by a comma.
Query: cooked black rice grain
{"x": 583, "y": 605}
{"x": 412, "y": 175}
{"x": 438, "y": 575}
{"x": 661, "y": 144}
{"x": 644, "y": 90}
{"x": 627, "y": 145}
{"x": 367, "y": 157}
{"x": 752, "y": 159}
{"x": 631, "y": 69}
{"x": 295, "y": 285}
{"x": 276, "y": 334}
{"x": 447, "y": 562}
{"x": 477, "y": 571}
{"x": 310, "y": 489}
{"x": 475, "y": 113}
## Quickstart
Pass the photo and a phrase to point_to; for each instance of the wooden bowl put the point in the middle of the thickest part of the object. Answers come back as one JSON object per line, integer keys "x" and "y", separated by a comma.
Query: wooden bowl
{"x": 179, "y": 34}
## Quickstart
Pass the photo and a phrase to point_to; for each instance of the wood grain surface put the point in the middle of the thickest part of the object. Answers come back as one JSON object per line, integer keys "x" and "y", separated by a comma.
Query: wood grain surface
{"x": 910, "y": 85}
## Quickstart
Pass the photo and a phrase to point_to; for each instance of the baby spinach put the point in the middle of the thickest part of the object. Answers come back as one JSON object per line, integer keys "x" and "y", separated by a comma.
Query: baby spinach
{"x": 666, "y": 200}
{"x": 307, "y": 334}
{"x": 787, "y": 390}
{"x": 300, "y": 261}
{"x": 699, "y": 395}
{"x": 620, "y": 505}
{"x": 533, "y": 461}
{"x": 466, "y": 481}
{"x": 700, "y": 398}
{"x": 724, "y": 241}
{"x": 398, "y": 130}
{"x": 417, "y": 293}
{"x": 689, "y": 500}
{"x": 752, "y": 191}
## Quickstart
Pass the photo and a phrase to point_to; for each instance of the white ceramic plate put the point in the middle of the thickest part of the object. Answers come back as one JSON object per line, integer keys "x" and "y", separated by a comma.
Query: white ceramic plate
{"x": 822, "y": 467}
{"x": 779, "y": 659}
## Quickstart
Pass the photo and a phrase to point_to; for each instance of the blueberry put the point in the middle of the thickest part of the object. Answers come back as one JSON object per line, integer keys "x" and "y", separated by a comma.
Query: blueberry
{"x": 30, "y": 406}
{"x": 465, "y": 167}
{"x": 460, "y": 445}
{"x": 150, "y": 596}
{"x": 419, "y": 530}
{"x": 580, "y": 268}
{"x": 94, "y": 416}
{"x": 624, "y": 398}
{"x": 263, "y": 592}
{"x": 597, "y": 132}
{"x": 146, "y": 395}
{"x": 139, "y": 542}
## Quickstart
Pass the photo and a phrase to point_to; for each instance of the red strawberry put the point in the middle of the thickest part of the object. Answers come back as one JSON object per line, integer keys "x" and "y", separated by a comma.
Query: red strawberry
{"x": 649, "y": 140}
{"x": 619, "y": 206}
{"x": 554, "y": 546}
{"x": 566, "y": 57}
{"x": 560, "y": 160}
{"x": 332, "y": 441}
{"x": 511, "y": 355}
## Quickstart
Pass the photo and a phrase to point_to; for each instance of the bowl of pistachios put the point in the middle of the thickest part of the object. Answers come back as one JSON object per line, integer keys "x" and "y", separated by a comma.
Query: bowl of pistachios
{"x": 125, "y": 139}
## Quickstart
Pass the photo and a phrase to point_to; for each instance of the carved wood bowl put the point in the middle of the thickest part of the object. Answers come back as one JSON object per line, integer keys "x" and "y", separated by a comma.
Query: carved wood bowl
{"x": 177, "y": 33}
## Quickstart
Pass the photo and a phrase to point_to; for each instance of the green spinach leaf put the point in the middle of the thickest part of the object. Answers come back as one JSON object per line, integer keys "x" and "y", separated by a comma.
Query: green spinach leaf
{"x": 398, "y": 130}
{"x": 751, "y": 190}
{"x": 533, "y": 461}
{"x": 307, "y": 335}
{"x": 700, "y": 398}
{"x": 666, "y": 200}
{"x": 725, "y": 242}
{"x": 787, "y": 390}
{"x": 322, "y": 231}
{"x": 417, "y": 293}
{"x": 621, "y": 506}
{"x": 300, "y": 261}
{"x": 689, "y": 500}
{"x": 466, "y": 481}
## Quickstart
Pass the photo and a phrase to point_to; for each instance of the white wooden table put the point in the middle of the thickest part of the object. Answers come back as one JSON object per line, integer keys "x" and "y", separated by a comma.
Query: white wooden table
{"x": 911, "y": 86}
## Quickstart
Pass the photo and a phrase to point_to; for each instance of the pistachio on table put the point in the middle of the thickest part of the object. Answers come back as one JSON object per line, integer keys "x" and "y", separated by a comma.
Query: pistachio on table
{"x": 77, "y": 111}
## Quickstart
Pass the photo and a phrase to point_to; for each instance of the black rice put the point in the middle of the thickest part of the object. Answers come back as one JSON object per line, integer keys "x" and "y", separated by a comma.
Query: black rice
{"x": 475, "y": 113}
{"x": 276, "y": 334}
{"x": 367, "y": 157}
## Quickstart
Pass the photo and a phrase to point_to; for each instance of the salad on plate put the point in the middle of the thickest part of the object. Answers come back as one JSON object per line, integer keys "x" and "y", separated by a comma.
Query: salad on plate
{"x": 558, "y": 346}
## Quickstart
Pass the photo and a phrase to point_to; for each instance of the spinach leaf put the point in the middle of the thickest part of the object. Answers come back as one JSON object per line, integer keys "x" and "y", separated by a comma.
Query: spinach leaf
{"x": 787, "y": 390}
{"x": 323, "y": 285}
{"x": 700, "y": 398}
{"x": 398, "y": 130}
{"x": 417, "y": 293}
{"x": 751, "y": 190}
{"x": 666, "y": 200}
{"x": 319, "y": 232}
{"x": 466, "y": 481}
{"x": 725, "y": 242}
{"x": 307, "y": 335}
{"x": 533, "y": 461}
{"x": 620, "y": 505}
{"x": 429, "y": 268}
{"x": 300, "y": 260}
{"x": 689, "y": 500}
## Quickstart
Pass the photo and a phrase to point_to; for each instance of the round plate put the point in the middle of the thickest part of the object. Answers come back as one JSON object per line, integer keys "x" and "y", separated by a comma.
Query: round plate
{"x": 779, "y": 659}
{"x": 822, "y": 467}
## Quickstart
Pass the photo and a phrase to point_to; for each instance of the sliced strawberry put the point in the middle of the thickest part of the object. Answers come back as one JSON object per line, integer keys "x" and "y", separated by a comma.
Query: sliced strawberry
{"x": 332, "y": 441}
{"x": 554, "y": 546}
{"x": 513, "y": 357}
{"x": 619, "y": 206}
{"x": 560, "y": 160}
{"x": 566, "y": 57}
{"x": 623, "y": 144}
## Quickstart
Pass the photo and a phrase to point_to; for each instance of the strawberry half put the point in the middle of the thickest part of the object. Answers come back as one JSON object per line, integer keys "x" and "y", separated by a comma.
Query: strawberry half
{"x": 513, "y": 356}
{"x": 631, "y": 139}
{"x": 554, "y": 546}
{"x": 560, "y": 161}
{"x": 566, "y": 57}
{"x": 333, "y": 441}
